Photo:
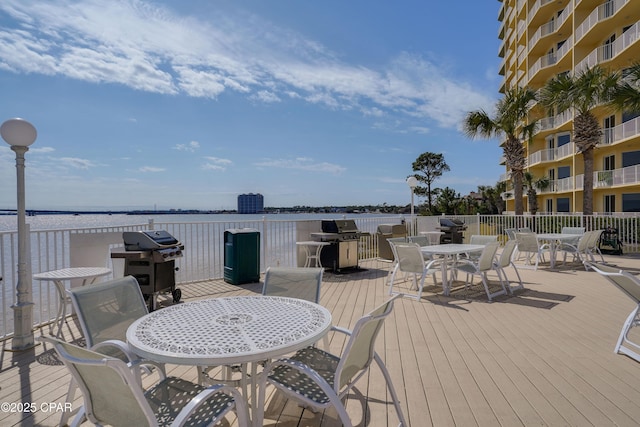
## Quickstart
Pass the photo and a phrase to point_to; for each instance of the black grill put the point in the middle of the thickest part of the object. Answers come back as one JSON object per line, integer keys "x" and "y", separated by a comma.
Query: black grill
{"x": 150, "y": 257}
{"x": 343, "y": 234}
{"x": 452, "y": 229}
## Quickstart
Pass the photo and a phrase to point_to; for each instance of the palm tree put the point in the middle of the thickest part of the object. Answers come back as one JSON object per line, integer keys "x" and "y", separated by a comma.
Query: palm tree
{"x": 583, "y": 92}
{"x": 533, "y": 185}
{"x": 627, "y": 95}
{"x": 509, "y": 120}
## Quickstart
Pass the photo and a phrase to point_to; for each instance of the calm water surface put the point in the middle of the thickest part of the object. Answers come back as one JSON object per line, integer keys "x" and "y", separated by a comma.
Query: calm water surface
{"x": 49, "y": 222}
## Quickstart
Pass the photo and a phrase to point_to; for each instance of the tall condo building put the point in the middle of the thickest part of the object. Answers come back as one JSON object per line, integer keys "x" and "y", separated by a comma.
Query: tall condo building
{"x": 543, "y": 38}
{"x": 250, "y": 203}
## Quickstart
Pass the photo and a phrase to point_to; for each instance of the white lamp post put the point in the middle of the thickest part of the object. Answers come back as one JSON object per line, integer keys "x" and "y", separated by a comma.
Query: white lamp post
{"x": 20, "y": 134}
{"x": 412, "y": 182}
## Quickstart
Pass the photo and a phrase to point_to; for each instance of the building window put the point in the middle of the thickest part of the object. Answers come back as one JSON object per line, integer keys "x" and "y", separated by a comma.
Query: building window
{"x": 563, "y": 204}
{"x": 610, "y": 203}
{"x": 630, "y": 158}
{"x": 564, "y": 172}
{"x": 608, "y": 125}
{"x": 631, "y": 202}
{"x": 563, "y": 139}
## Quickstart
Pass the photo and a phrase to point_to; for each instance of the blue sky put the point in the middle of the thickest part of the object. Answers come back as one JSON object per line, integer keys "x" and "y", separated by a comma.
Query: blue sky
{"x": 186, "y": 104}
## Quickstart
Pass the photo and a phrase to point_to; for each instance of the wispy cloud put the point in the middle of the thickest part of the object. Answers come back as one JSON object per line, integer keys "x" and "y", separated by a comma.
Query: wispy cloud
{"x": 191, "y": 146}
{"x": 150, "y": 48}
{"x": 216, "y": 163}
{"x": 302, "y": 163}
{"x": 75, "y": 162}
{"x": 151, "y": 169}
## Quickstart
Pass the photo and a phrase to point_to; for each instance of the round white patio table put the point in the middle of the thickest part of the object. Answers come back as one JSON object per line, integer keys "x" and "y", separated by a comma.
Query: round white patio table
{"x": 553, "y": 239}
{"x": 229, "y": 331}
{"x": 58, "y": 277}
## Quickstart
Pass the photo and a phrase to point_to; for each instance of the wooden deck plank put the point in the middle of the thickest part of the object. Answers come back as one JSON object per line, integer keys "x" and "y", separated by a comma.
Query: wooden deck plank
{"x": 541, "y": 357}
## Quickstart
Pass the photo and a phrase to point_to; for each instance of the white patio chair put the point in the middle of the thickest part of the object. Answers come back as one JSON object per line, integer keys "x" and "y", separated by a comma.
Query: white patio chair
{"x": 579, "y": 250}
{"x": 505, "y": 260}
{"x": 578, "y": 231}
{"x": 593, "y": 246}
{"x": 630, "y": 285}
{"x": 302, "y": 283}
{"x": 320, "y": 379}
{"x": 529, "y": 247}
{"x": 113, "y": 396}
{"x": 481, "y": 267}
{"x": 105, "y": 311}
{"x": 410, "y": 260}
{"x": 478, "y": 239}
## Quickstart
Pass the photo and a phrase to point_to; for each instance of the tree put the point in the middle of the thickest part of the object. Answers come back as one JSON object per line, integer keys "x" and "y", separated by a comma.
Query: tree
{"x": 626, "y": 97}
{"x": 509, "y": 120}
{"x": 448, "y": 201}
{"x": 430, "y": 166}
{"x": 533, "y": 185}
{"x": 582, "y": 92}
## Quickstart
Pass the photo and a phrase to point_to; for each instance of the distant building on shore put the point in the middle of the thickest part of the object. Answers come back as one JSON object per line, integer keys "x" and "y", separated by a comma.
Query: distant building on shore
{"x": 250, "y": 203}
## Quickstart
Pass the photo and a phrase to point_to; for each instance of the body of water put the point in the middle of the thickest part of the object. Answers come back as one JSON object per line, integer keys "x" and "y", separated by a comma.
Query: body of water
{"x": 52, "y": 222}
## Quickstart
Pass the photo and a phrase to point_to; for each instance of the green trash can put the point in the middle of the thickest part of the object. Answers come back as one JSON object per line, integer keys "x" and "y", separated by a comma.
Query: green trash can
{"x": 241, "y": 256}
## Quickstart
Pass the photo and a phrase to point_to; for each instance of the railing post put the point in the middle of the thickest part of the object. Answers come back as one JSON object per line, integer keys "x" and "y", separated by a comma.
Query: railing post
{"x": 265, "y": 247}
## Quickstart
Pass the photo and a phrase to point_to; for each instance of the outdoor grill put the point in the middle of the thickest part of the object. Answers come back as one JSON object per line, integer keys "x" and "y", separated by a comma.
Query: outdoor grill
{"x": 343, "y": 236}
{"x": 452, "y": 230}
{"x": 150, "y": 257}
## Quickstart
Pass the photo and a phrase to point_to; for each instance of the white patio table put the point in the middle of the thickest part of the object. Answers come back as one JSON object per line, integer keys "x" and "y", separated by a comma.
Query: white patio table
{"x": 58, "y": 277}
{"x": 229, "y": 331}
{"x": 553, "y": 239}
{"x": 450, "y": 252}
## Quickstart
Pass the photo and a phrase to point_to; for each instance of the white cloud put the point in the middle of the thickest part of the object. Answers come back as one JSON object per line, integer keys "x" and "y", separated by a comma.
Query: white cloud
{"x": 302, "y": 163}
{"x": 75, "y": 162}
{"x": 191, "y": 146}
{"x": 216, "y": 164}
{"x": 151, "y": 169}
{"x": 154, "y": 49}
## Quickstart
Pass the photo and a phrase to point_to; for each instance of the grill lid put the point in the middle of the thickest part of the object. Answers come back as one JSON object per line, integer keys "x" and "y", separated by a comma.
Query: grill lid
{"x": 148, "y": 240}
{"x": 339, "y": 226}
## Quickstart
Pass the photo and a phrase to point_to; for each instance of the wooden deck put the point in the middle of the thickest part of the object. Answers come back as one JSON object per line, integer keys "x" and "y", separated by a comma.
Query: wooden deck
{"x": 542, "y": 357}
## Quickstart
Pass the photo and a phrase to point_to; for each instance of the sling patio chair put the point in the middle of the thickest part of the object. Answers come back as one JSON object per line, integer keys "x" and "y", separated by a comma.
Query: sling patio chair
{"x": 480, "y": 267}
{"x": 530, "y": 248}
{"x": 505, "y": 260}
{"x": 321, "y": 380}
{"x": 294, "y": 282}
{"x": 105, "y": 311}
{"x": 411, "y": 262}
{"x": 629, "y": 284}
{"x": 113, "y": 396}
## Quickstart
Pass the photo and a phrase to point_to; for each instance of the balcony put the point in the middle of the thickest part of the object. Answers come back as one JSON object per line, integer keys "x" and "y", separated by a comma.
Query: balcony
{"x": 547, "y": 61}
{"x": 599, "y": 14}
{"x": 610, "y": 51}
{"x": 629, "y": 175}
{"x": 551, "y": 123}
{"x": 621, "y": 132}
{"x": 548, "y": 28}
{"x": 551, "y": 154}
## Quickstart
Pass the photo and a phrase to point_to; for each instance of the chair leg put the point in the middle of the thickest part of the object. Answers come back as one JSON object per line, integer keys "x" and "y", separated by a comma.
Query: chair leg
{"x": 392, "y": 391}
{"x": 631, "y": 321}
{"x": 64, "y": 418}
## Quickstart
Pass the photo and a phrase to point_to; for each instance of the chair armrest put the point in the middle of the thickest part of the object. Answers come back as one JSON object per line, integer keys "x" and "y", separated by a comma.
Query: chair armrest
{"x": 340, "y": 329}
{"x": 120, "y": 345}
{"x": 204, "y": 395}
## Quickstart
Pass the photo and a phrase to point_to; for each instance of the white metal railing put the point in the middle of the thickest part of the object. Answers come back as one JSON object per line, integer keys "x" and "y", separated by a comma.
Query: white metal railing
{"x": 629, "y": 175}
{"x": 604, "y": 11}
{"x": 541, "y": 156}
{"x": 203, "y": 255}
{"x": 609, "y": 51}
{"x": 536, "y": 6}
{"x": 621, "y": 132}
{"x": 204, "y": 248}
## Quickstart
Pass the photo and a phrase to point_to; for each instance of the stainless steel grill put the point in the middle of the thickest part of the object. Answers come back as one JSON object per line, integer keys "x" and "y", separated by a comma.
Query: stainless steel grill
{"x": 343, "y": 234}
{"x": 150, "y": 257}
{"x": 452, "y": 229}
